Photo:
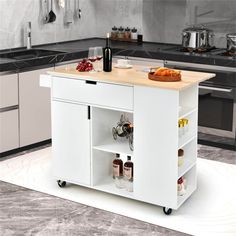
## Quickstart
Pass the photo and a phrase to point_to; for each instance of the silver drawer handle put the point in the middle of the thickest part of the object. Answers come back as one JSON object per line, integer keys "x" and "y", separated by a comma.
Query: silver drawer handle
{"x": 216, "y": 89}
{"x": 5, "y": 109}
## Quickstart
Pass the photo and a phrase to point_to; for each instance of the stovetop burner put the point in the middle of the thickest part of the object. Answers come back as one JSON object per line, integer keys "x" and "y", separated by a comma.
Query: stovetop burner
{"x": 199, "y": 50}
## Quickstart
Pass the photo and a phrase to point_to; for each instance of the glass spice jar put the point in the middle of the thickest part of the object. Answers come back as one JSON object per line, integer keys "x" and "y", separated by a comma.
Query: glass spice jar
{"x": 120, "y": 34}
{"x": 114, "y": 32}
{"x": 134, "y": 34}
{"x": 127, "y": 34}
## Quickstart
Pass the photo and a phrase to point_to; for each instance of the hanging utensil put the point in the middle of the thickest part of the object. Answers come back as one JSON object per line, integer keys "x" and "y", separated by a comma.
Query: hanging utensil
{"x": 77, "y": 9}
{"x": 45, "y": 11}
{"x": 68, "y": 13}
{"x": 52, "y": 15}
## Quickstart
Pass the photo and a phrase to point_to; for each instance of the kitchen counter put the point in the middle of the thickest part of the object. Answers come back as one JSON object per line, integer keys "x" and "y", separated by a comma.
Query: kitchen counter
{"x": 134, "y": 76}
{"x": 78, "y": 49}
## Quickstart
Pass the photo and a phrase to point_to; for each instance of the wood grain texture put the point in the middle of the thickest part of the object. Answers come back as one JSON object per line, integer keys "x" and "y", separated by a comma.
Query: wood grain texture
{"x": 134, "y": 76}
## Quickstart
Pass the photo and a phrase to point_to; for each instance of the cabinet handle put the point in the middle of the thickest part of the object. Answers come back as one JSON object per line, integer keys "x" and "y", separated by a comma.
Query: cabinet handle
{"x": 89, "y": 113}
{"x": 5, "y": 109}
{"x": 90, "y": 82}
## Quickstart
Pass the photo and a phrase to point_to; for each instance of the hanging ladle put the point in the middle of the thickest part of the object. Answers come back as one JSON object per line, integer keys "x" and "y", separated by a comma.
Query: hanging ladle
{"x": 52, "y": 15}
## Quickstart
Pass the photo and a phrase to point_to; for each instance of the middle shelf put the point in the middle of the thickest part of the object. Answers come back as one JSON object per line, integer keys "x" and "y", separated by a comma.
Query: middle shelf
{"x": 115, "y": 146}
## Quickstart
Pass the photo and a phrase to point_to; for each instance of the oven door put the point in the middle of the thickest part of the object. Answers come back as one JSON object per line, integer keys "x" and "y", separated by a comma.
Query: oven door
{"x": 217, "y": 99}
{"x": 217, "y": 111}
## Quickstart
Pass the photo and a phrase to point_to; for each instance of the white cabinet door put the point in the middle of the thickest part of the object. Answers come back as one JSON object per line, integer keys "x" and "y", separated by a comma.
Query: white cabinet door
{"x": 35, "y": 108}
{"x": 8, "y": 90}
{"x": 71, "y": 142}
{"x": 9, "y": 130}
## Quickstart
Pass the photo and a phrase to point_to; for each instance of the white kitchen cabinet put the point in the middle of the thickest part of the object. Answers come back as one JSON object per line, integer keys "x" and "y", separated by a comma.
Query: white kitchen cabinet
{"x": 71, "y": 142}
{"x": 8, "y": 90}
{"x": 34, "y": 108}
{"x": 9, "y": 130}
{"x": 82, "y": 137}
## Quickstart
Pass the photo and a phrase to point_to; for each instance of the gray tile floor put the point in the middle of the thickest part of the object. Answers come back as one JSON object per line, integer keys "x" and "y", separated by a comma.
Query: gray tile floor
{"x": 217, "y": 154}
{"x": 27, "y": 212}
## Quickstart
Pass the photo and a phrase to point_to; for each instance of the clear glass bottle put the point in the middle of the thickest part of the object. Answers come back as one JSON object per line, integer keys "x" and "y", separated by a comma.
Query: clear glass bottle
{"x": 118, "y": 171}
{"x": 128, "y": 174}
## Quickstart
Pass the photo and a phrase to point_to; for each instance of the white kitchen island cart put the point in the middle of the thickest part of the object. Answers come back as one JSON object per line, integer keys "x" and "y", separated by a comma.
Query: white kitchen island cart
{"x": 86, "y": 106}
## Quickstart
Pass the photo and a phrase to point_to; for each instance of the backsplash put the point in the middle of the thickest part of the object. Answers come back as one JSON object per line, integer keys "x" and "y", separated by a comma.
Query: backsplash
{"x": 158, "y": 20}
{"x": 15, "y": 14}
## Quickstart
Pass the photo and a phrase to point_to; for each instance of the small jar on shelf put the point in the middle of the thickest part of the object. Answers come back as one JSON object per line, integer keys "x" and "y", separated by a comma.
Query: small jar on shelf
{"x": 185, "y": 122}
{"x": 114, "y": 32}
{"x": 134, "y": 34}
{"x": 180, "y": 157}
{"x": 127, "y": 34}
{"x": 182, "y": 186}
{"x": 118, "y": 171}
{"x": 120, "y": 34}
{"x": 181, "y": 128}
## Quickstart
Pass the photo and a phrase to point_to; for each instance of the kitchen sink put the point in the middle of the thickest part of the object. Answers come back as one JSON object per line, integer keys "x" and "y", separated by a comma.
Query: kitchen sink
{"x": 28, "y": 54}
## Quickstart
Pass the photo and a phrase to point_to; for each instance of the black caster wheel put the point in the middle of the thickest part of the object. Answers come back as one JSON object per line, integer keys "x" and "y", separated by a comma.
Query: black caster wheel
{"x": 61, "y": 184}
{"x": 167, "y": 210}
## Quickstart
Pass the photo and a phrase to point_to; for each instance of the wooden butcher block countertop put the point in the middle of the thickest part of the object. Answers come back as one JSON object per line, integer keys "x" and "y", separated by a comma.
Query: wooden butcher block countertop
{"x": 134, "y": 76}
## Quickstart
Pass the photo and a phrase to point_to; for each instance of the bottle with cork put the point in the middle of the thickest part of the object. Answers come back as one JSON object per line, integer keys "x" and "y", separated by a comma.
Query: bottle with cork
{"x": 128, "y": 174}
{"x": 118, "y": 171}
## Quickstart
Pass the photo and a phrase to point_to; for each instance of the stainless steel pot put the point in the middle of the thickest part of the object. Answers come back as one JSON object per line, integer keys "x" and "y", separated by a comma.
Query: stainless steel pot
{"x": 197, "y": 38}
{"x": 231, "y": 42}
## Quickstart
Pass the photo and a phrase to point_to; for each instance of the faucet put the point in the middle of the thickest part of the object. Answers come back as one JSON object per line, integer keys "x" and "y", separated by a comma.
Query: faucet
{"x": 29, "y": 46}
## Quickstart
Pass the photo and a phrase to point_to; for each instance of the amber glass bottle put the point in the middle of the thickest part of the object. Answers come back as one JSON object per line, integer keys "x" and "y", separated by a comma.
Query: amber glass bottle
{"x": 117, "y": 166}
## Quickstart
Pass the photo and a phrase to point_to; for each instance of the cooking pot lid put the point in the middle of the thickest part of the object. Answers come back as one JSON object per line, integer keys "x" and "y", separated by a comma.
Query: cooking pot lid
{"x": 231, "y": 35}
{"x": 196, "y": 28}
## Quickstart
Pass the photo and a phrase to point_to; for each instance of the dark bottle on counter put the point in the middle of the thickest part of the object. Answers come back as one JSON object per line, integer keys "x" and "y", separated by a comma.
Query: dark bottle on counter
{"x": 128, "y": 174}
{"x": 107, "y": 56}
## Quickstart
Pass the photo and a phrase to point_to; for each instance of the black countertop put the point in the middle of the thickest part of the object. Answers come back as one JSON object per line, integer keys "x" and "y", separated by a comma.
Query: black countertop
{"x": 78, "y": 49}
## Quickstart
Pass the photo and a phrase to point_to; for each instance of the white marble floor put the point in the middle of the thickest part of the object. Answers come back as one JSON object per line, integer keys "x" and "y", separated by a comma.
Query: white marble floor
{"x": 211, "y": 211}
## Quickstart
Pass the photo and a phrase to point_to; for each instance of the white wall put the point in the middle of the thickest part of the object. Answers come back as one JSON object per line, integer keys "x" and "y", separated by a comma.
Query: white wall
{"x": 160, "y": 20}
{"x": 14, "y": 14}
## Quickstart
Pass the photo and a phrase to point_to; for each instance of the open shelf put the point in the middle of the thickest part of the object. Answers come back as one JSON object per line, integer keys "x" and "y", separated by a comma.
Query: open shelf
{"x": 115, "y": 146}
{"x": 186, "y": 111}
{"x": 188, "y": 164}
{"x": 189, "y": 135}
{"x": 108, "y": 185}
{"x": 191, "y": 181}
{"x": 190, "y": 157}
{"x": 182, "y": 199}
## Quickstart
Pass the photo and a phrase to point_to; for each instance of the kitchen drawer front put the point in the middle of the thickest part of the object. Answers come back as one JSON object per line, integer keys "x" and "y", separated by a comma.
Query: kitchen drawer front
{"x": 9, "y": 130}
{"x": 94, "y": 93}
{"x": 8, "y": 90}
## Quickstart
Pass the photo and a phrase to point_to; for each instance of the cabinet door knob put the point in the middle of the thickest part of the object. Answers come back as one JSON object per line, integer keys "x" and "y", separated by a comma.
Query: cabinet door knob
{"x": 91, "y": 82}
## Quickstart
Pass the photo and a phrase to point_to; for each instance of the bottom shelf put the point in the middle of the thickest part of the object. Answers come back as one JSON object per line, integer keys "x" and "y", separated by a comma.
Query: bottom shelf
{"x": 108, "y": 186}
{"x": 189, "y": 191}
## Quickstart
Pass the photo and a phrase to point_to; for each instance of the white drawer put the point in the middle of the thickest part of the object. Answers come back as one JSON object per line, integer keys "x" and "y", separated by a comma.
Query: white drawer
{"x": 8, "y": 90}
{"x": 9, "y": 130}
{"x": 94, "y": 93}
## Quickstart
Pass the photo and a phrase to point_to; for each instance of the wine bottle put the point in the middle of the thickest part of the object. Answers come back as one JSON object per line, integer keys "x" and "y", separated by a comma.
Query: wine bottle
{"x": 107, "y": 55}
